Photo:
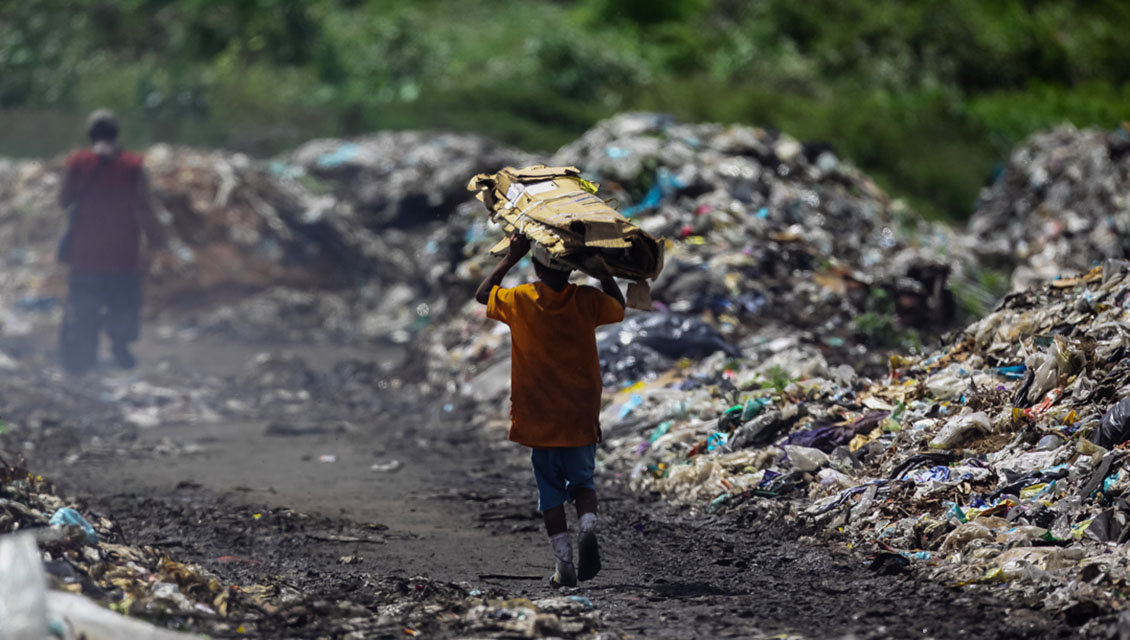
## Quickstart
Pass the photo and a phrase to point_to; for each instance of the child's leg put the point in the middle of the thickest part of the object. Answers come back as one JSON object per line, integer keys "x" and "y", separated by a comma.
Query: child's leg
{"x": 555, "y": 520}
{"x": 552, "y": 492}
{"x": 586, "y": 501}
{"x": 580, "y": 467}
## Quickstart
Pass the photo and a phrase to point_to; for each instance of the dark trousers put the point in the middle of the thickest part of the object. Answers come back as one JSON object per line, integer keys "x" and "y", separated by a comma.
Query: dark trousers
{"x": 98, "y": 302}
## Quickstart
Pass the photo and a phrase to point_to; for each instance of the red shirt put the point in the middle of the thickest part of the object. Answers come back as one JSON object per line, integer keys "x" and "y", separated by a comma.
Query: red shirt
{"x": 106, "y": 233}
{"x": 555, "y": 381}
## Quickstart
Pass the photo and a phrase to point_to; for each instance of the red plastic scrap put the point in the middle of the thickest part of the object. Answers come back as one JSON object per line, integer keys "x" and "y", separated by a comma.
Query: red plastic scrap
{"x": 1048, "y": 402}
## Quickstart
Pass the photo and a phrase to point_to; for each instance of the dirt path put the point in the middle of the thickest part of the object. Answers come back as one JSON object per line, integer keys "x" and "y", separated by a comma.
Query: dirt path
{"x": 461, "y": 508}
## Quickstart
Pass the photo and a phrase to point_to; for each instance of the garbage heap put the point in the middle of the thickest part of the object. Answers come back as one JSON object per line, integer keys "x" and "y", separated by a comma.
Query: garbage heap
{"x": 767, "y": 238}
{"x": 999, "y": 460}
{"x": 1060, "y": 205}
{"x": 334, "y": 238}
{"x": 403, "y": 179}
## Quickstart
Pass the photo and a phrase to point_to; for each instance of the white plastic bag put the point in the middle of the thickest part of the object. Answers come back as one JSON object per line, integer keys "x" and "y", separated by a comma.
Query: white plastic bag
{"x": 23, "y": 589}
{"x": 806, "y": 458}
{"x": 959, "y": 428}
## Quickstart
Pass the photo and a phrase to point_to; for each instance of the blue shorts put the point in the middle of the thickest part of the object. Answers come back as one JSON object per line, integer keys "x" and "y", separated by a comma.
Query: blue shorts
{"x": 561, "y": 472}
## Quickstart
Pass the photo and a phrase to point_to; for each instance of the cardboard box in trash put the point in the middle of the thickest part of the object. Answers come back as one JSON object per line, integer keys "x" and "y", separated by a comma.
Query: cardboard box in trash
{"x": 559, "y": 210}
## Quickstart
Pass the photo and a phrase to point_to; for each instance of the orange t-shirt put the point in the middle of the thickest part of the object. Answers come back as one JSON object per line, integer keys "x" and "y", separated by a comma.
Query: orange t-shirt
{"x": 555, "y": 380}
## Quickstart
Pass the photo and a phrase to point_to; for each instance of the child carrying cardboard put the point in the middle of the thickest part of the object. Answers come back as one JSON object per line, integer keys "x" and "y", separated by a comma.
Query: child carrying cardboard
{"x": 555, "y": 387}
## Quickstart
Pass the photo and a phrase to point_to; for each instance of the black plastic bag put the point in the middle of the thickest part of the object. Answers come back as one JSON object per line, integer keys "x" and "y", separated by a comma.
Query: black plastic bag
{"x": 650, "y": 343}
{"x": 1115, "y": 427}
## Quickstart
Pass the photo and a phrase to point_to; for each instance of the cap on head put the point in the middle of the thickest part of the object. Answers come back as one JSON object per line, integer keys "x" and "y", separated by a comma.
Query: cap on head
{"x": 102, "y": 126}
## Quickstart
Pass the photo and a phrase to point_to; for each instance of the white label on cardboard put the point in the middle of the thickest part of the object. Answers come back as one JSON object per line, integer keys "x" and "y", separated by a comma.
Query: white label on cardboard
{"x": 540, "y": 187}
{"x": 514, "y": 192}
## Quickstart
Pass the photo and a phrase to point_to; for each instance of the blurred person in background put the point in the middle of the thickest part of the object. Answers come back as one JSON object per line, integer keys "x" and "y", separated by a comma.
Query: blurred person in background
{"x": 106, "y": 195}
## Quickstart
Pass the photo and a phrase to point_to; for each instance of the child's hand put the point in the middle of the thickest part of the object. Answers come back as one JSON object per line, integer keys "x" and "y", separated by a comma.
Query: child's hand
{"x": 519, "y": 246}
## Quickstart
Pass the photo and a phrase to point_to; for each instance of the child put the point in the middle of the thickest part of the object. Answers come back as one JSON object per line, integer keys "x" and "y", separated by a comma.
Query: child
{"x": 555, "y": 388}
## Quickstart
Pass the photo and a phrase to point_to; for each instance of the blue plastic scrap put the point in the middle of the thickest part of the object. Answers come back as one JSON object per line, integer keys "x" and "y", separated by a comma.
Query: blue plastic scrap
{"x": 67, "y": 516}
{"x": 342, "y": 155}
{"x": 666, "y": 183}
{"x": 584, "y": 602}
{"x": 1015, "y": 372}
{"x": 717, "y": 440}
{"x": 1109, "y": 482}
{"x": 939, "y": 473}
{"x": 628, "y": 407}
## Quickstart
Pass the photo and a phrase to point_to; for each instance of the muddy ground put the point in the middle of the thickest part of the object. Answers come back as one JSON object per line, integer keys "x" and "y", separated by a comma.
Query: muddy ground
{"x": 293, "y": 498}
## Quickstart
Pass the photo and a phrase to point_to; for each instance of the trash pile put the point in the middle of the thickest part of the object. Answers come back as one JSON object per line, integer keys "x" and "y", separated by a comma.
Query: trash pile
{"x": 402, "y": 178}
{"x": 998, "y": 460}
{"x": 80, "y": 558}
{"x": 347, "y": 222}
{"x": 766, "y": 237}
{"x": 766, "y": 227}
{"x": 1060, "y": 205}
{"x": 96, "y": 581}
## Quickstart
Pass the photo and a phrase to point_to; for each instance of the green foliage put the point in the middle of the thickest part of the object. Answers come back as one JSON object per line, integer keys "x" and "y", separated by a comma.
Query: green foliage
{"x": 979, "y": 289}
{"x": 779, "y": 379}
{"x": 878, "y": 325}
{"x": 928, "y": 95}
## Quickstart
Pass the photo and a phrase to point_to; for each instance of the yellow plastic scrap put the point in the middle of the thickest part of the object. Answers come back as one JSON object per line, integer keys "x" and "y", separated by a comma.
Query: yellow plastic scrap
{"x": 858, "y": 442}
{"x": 588, "y": 185}
{"x": 1033, "y": 490}
{"x": 635, "y": 387}
{"x": 996, "y": 574}
{"x": 973, "y": 513}
{"x": 1080, "y": 528}
{"x": 898, "y": 362}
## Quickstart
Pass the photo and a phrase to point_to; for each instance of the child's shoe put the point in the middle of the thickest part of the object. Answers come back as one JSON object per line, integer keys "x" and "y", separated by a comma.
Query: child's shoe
{"x": 564, "y": 575}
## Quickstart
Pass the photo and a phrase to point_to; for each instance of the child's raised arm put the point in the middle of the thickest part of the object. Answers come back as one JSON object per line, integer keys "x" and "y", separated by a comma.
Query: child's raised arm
{"x": 519, "y": 246}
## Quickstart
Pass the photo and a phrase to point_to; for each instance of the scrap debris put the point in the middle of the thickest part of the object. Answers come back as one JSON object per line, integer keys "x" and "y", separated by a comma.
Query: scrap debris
{"x": 995, "y": 460}
{"x": 1058, "y": 207}
{"x": 787, "y": 366}
{"x": 88, "y": 555}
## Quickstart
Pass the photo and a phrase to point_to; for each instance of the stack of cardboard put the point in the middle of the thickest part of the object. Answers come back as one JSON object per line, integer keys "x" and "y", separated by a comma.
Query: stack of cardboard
{"x": 558, "y": 209}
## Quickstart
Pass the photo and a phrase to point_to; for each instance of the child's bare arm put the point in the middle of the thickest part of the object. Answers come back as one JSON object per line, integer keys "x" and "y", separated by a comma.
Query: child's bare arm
{"x": 609, "y": 286}
{"x": 519, "y": 245}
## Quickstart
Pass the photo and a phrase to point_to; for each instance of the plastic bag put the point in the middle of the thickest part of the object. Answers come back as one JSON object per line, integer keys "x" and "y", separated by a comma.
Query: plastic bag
{"x": 1115, "y": 427}
{"x": 66, "y": 517}
{"x": 959, "y": 428}
{"x": 806, "y": 458}
{"x": 23, "y": 589}
{"x": 649, "y": 343}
